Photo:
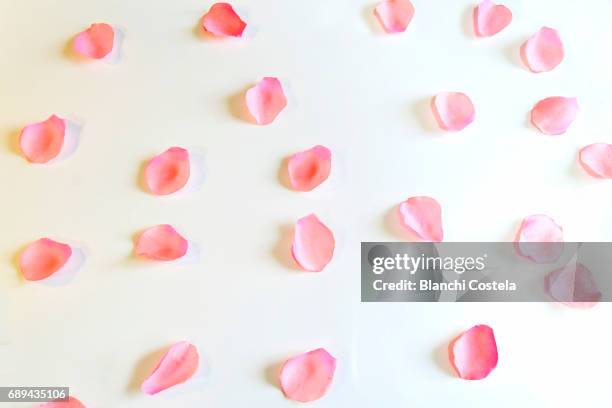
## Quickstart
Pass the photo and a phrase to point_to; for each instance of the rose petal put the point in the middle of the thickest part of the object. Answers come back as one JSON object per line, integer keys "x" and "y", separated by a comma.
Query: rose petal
{"x": 309, "y": 168}
{"x": 161, "y": 243}
{"x": 554, "y": 115}
{"x": 423, "y": 216}
{"x": 266, "y": 100}
{"x": 313, "y": 244}
{"x": 473, "y": 354}
{"x": 222, "y": 21}
{"x": 540, "y": 239}
{"x": 453, "y": 110}
{"x": 308, "y": 376}
{"x": 490, "y": 18}
{"x": 573, "y": 285}
{"x": 96, "y": 42}
{"x": 394, "y": 15}
{"x": 177, "y": 366}
{"x": 597, "y": 160}
{"x": 41, "y": 142}
{"x": 168, "y": 172}
{"x": 71, "y": 403}
{"x": 42, "y": 258}
{"x": 543, "y": 51}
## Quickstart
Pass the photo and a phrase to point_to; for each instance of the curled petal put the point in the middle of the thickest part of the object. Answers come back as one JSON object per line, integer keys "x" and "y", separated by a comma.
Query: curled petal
{"x": 161, "y": 243}
{"x": 177, "y": 366}
{"x": 473, "y": 354}
{"x": 453, "y": 110}
{"x": 554, "y": 115}
{"x": 490, "y": 18}
{"x": 423, "y": 216}
{"x": 266, "y": 100}
{"x": 43, "y": 141}
{"x": 313, "y": 244}
{"x": 394, "y": 15}
{"x": 573, "y": 285}
{"x": 222, "y": 21}
{"x": 168, "y": 172}
{"x": 308, "y": 376}
{"x": 71, "y": 403}
{"x": 42, "y": 258}
{"x": 543, "y": 51}
{"x": 96, "y": 42}
{"x": 309, "y": 168}
{"x": 540, "y": 239}
{"x": 597, "y": 160}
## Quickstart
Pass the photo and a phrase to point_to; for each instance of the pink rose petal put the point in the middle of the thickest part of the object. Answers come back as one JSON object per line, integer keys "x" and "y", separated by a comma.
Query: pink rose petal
{"x": 313, "y": 244}
{"x": 96, "y": 42}
{"x": 473, "y": 354}
{"x": 222, "y": 21}
{"x": 423, "y": 216}
{"x": 43, "y": 141}
{"x": 573, "y": 285}
{"x": 540, "y": 239}
{"x": 42, "y": 258}
{"x": 453, "y": 110}
{"x": 177, "y": 366}
{"x": 597, "y": 160}
{"x": 394, "y": 15}
{"x": 308, "y": 376}
{"x": 266, "y": 100}
{"x": 168, "y": 172}
{"x": 543, "y": 51}
{"x": 554, "y": 115}
{"x": 490, "y": 18}
{"x": 309, "y": 168}
{"x": 71, "y": 403}
{"x": 161, "y": 243}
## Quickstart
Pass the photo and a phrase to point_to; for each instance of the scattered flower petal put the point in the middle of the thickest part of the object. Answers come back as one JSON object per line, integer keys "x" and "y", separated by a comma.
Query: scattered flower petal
{"x": 543, "y": 51}
{"x": 313, "y": 244}
{"x": 394, "y": 15}
{"x": 423, "y": 216}
{"x": 597, "y": 160}
{"x": 168, "y": 172}
{"x": 71, "y": 403}
{"x": 308, "y": 376}
{"x": 453, "y": 110}
{"x": 266, "y": 100}
{"x": 96, "y": 42}
{"x": 473, "y": 354}
{"x": 161, "y": 243}
{"x": 222, "y": 21}
{"x": 490, "y": 18}
{"x": 540, "y": 239}
{"x": 41, "y": 142}
{"x": 42, "y": 258}
{"x": 554, "y": 115}
{"x": 309, "y": 168}
{"x": 177, "y": 366}
{"x": 573, "y": 285}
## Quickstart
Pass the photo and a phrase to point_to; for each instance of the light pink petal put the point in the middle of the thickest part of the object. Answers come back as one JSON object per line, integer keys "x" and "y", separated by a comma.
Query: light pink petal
{"x": 308, "y": 376}
{"x": 453, "y": 110}
{"x": 42, "y": 258}
{"x": 490, "y": 18}
{"x": 543, "y": 51}
{"x": 266, "y": 100}
{"x": 168, "y": 172}
{"x": 573, "y": 285}
{"x": 222, "y": 21}
{"x": 71, "y": 403}
{"x": 597, "y": 160}
{"x": 540, "y": 239}
{"x": 96, "y": 42}
{"x": 473, "y": 354}
{"x": 423, "y": 216}
{"x": 43, "y": 141}
{"x": 313, "y": 244}
{"x": 161, "y": 243}
{"x": 177, "y": 366}
{"x": 309, "y": 168}
{"x": 394, "y": 15}
{"x": 554, "y": 115}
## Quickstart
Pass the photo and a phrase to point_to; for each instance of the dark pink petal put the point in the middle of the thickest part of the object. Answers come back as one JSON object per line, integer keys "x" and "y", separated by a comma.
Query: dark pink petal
{"x": 43, "y": 258}
{"x": 453, "y": 110}
{"x": 552, "y": 116}
{"x": 490, "y": 18}
{"x": 597, "y": 160}
{"x": 161, "y": 243}
{"x": 423, "y": 216}
{"x": 43, "y": 141}
{"x": 543, "y": 51}
{"x": 222, "y": 21}
{"x": 313, "y": 244}
{"x": 540, "y": 239}
{"x": 309, "y": 168}
{"x": 177, "y": 366}
{"x": 473, "y": 354}
{"x": 168, "y": 172}
{"x": 308, "y": 376}
{"x": 96, "y": 42}
{"x": 573, "y": 285}
{"x": 394, "y": 15}
{"x": 71, "y": 403}
{"x": 266, "y": 100}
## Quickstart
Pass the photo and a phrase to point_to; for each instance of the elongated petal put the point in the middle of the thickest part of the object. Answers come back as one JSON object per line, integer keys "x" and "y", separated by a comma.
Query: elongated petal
{"x": 42, "y": 258}
{"x": 309, "y": 168}
{"x": 394, "y": 15}
{"x": 423, "y": 216}
{"x": 573, "y": 285}
{"x": 308, "y": 376}
{"x": 540, "y": 239}
{"x": 473, "y": 354}
{"x": 161, "y": 243}
{"x": 168, "y": 172}
{"x": 313, "y": 244}
{"x": 266, "y": 100}
{"x": 96, "y": 42}
{"x": 490, "y": 18}
{"x": 41, "y": 142}
{"x": 71, "y": 403}
{"x": 543, "y": 51}
{"x": 177, "y": 366}
{"x": 597, "y": 160}
{"x": 554, "y": 115}
{"x": 453, "y": 110}
{"x": 222, "y": 21}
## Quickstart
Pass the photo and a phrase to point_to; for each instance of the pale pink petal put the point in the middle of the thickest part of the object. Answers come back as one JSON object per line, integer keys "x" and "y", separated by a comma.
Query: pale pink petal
{"x": 309, "y": 168}
{"x": 554, "y": 115}
{"x": 266, "y": 100}
{"x": 490, "y": 18}
{"x": 423, "y": 216}
{"x": 71, "y": 403}
{"x": 313, "y": 244}
{"x": 42, "y": 258}
{"x": 540, "y": 239}
{"x": 453, "y": 110}
{"x": 177, "y": 366}
{"x": 161, "y": 243}
{"x": 573, "y": 285}
{"x": 394, "y": 15}
{"x": 543, "y": 51}
{"x": 222, "y": 21}
{"x": 473, "y": 354}
{"x": 41, "y": 142}
{"x": 168, "y": 172}
{"x": 308, "y": 376}
{"x": 597, "y": 160}
{"x": 96, "y": 42}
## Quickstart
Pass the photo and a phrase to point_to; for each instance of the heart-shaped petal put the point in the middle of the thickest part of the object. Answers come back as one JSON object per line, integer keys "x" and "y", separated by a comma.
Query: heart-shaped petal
{"x": 222, "y": 21}
{"x": 308, "y": 376}
{"x": 423, "y": 216}
{"x": 161, "y": 243}
{"x": 42, "y": 258}
{"x": 473, "y": 354}
{"x": 490, "y": 18}
{"x": 597, "y": 160}
{"x": 540, "y": 239}
{"x": 266, "y": 100}
{"x": 573, "y": 285}
{"x": 168, "y": 172}
{"x": 96, "y": 42}
{"x": 394, "y": 15}
{"x": 71, "y": 403}
{"x": 554, "y": 115}
{"x": 178, "y": 365}
{"x": 453, "y": 110}
{"x": 313, "y": 244}
{"x": 543, "y": 51}
{"x": 43, "y": 141}
{"x": 309, "y": 168}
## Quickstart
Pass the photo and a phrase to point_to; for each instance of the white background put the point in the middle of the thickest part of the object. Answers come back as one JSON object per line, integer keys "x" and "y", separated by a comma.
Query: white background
{"x": 352, "y": 88}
